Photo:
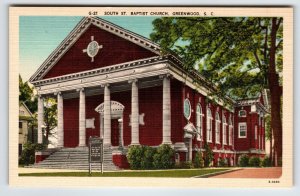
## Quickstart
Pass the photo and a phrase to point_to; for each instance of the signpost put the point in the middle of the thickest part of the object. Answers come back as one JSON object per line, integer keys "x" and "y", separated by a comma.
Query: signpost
{"x": 95, "y": 152}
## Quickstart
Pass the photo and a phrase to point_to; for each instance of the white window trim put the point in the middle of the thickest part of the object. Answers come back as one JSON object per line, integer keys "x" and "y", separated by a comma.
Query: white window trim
{"x": 224, "y": 133}
{"x": 255, "y": 130}
{"x": 217, "y": 125}
{"x": 209, "y": 131}
{"x": 200, "y": 115}
{"x": 242, "y": 115}
{"x": 230, "y": 135}
{"x": 243, "y": 124}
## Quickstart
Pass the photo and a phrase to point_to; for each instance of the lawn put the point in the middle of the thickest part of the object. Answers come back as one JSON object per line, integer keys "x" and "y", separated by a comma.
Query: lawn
{"x": 182, "y": 173}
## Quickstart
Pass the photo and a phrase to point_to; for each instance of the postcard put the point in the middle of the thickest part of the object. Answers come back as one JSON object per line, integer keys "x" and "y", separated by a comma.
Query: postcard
{"x": 151, "y": 96}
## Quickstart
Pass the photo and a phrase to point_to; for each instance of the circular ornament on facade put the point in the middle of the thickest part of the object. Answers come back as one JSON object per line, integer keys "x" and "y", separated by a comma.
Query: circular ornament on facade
{"x": 187, "y": 109}
{"x": 92, "y": 49}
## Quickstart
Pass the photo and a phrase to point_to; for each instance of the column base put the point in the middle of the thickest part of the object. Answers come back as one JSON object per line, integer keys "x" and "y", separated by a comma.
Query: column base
{"x": 134, "y": 144}
{"x": 81, "y": 146}
{"x": 167, "y": 142}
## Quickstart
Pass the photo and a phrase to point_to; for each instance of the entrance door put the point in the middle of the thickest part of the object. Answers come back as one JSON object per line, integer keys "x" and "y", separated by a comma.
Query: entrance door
{"x": 114, "y": 132}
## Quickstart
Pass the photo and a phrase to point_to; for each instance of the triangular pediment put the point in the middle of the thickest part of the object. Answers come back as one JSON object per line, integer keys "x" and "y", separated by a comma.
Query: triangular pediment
{"x": 111, "y": 45}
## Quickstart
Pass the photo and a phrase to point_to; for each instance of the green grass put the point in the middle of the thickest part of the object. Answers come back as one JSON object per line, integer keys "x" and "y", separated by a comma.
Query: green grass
{"x": 168, "y": 173}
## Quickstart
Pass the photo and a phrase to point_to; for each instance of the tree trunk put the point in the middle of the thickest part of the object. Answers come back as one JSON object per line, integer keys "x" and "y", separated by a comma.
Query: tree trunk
{"x": 275, "y": 91}
{"x": 271, "y": 147}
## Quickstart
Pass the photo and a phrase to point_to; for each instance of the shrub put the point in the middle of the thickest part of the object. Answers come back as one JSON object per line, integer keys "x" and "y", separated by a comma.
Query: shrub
{"x": 266, "y": 162}
{"x": 222, "y": 162}
{"x": 164, "y": 157}
{"x": 184, "y": 165}
{"x": 28, "y": 153}
{"x": 198, "y": 161}
{"x": 254, "y": 162}
{"x": 147, "y": 158}
{"x": 134, "y": 156}
{"x": 244, "y": 160}
{"x": 209, "y": 155}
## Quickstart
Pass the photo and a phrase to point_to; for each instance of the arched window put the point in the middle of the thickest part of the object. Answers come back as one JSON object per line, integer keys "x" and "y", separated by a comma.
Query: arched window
{"x": 224, "y": 129}
{"x": 209, "y": 125}
{"x": 230, "y": 131}
{"x": 218, "y": 122}
{"x": 199, "y": 122}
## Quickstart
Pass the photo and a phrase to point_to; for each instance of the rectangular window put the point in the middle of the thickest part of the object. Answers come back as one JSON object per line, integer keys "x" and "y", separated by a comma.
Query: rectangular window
{"x": 243, "y": 130}
{"x": 230, "y": 134}
{"x": 20, "y": 125}
{"x": 255, "y": 132}
{"x": 224, "y": 134}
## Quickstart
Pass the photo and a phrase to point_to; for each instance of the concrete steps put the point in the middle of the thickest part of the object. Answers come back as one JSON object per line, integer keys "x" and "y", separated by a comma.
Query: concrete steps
{"x": 76, "y": 158}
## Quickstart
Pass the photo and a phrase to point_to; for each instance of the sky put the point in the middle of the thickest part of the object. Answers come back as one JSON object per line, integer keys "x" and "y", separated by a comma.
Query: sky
{"x": 40, "y": 35}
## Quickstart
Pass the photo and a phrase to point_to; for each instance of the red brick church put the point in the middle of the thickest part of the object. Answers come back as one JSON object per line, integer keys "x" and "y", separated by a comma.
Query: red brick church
{"x": 115, "y": 84}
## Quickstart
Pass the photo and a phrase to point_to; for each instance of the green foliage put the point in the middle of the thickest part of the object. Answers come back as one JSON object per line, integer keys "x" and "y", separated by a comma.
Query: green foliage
{"x": 209, "y": 155}
{"x": 268, "y": 127}
{"x": 266, "y": 162}
{"x": 28, "y": 153}
{"x": 50, "y": 117}
{"x": 232, "y": 52}
{"x": 134, "y": 156}
{"x": 147, "y": 159}
{"x": 26, "y": 95}
{"x": 198, "y": 161}
{"x": 254, "y": 161}
{"x": 244, "y": 160}
{"x": 222, "y": 162}
{"x": 184, "y": 165}
{"x": 164, "y": 158}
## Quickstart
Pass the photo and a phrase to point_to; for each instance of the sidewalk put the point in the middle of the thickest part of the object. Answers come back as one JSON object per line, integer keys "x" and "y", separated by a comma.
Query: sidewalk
{"x": 271, "y": 172}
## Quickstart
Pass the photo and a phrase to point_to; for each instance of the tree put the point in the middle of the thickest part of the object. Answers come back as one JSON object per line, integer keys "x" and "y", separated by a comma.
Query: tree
{"x": 50, "y": 118}
{"x": 240, "y": 55}
{"x": 26, "y": 95}
{"x": 209, "y": 155}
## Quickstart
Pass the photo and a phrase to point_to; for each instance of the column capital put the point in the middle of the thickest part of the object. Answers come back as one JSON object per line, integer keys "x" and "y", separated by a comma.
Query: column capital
{"x": 135, "y": 80}
{"x": 105, "y": 85}
{"x": 58, "y": 93}
{"x": 167, "y": 75}
{"x": 80, "y": 89}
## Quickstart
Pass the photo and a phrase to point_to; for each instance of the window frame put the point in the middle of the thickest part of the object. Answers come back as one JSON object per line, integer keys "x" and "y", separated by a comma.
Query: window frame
{"x": 209, "y": 120}
{"x": 199, "y": 122}
{"x": 217, "y": 128}
{"x": 242, "y": 110}
{"x": 224, "y": 129}
{"x": 230, "y": 132}
{"x": 242, "y": 124}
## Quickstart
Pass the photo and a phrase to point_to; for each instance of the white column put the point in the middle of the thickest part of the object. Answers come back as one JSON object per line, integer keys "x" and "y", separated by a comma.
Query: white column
{"x": 60, "y": 120}
{"x": 40, "y": 119}
{"x": 134, "y": 113}
{"x": 166, "y": 110}
{"x": 107, "y": 116}
{"x": 121, "y": 143}
{"x": 102, "y": 126}
{"x": 82, "y": 126}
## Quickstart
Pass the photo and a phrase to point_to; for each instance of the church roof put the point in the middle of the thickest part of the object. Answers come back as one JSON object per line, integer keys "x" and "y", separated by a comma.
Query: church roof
{"x": 79, "y": 29}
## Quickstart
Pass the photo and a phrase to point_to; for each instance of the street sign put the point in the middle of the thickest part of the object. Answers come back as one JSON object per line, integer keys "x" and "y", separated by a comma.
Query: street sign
{"x": 95, "y": 152}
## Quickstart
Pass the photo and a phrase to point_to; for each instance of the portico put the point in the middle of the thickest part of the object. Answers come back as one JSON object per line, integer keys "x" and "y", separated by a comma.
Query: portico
{"x": 109, "y": 110}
